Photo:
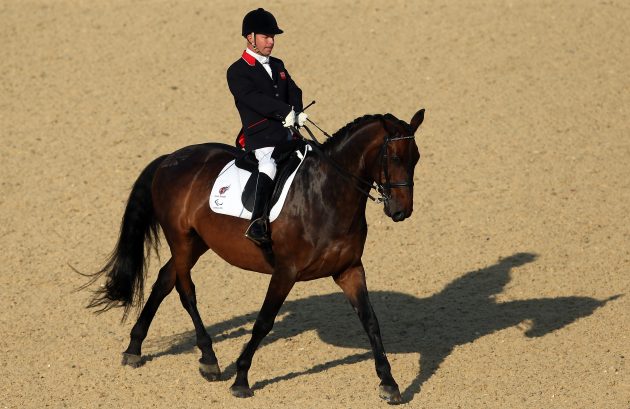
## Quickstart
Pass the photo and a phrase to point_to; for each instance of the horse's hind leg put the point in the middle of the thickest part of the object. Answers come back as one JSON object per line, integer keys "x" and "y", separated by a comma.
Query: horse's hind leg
{"x": 352, "y": 282}
{"x": 162, "y": 287}
{"x": 208, "y": 363}
{"x": 279, "y": 288}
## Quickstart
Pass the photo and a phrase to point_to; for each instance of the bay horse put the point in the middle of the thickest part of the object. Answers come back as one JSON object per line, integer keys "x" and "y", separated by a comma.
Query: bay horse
{"x": 320, "y": 233}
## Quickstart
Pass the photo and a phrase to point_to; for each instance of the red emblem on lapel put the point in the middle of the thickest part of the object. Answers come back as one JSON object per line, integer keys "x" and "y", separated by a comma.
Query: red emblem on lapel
{"x": 283, "y": 76}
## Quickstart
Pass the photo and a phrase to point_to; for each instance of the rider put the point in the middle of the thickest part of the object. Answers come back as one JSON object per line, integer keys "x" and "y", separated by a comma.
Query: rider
{"x": 269, "y": 102}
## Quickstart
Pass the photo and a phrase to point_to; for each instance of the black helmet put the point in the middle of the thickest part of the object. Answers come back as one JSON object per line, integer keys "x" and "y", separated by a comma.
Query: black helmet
{"x": 260, "y": 21}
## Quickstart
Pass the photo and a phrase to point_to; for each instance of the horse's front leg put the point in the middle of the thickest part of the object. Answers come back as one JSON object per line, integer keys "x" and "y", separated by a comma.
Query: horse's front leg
{"x": 352, "y": 282}
{"x": 278, "y": 290}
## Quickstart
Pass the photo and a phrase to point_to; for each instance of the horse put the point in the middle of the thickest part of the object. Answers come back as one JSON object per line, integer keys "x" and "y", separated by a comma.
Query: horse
{"x": 320, "y": 232}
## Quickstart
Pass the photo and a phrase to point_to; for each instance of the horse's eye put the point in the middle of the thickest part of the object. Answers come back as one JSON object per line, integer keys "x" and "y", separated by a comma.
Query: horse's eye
{"x": 395, "y": 159}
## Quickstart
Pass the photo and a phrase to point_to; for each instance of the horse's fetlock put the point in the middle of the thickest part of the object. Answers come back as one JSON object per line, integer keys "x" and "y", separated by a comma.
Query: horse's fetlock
{"x": 243, "y": 364}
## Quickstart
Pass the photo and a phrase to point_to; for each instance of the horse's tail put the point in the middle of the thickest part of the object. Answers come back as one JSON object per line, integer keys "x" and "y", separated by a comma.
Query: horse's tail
{"x": 126, "y": 267}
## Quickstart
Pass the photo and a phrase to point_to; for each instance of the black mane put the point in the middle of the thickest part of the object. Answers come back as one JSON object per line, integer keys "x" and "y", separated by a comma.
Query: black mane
{"x": 353, "y": 125}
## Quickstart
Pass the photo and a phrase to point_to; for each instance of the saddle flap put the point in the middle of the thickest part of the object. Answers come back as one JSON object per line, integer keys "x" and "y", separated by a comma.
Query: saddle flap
{"x": 285, "y": 169}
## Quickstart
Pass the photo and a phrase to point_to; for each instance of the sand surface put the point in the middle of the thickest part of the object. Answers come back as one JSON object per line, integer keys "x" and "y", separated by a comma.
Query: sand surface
{"x": 508, "y": 287}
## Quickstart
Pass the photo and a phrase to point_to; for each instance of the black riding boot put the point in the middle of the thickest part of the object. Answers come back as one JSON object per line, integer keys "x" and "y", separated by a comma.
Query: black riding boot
{"x": 258, "y": 230}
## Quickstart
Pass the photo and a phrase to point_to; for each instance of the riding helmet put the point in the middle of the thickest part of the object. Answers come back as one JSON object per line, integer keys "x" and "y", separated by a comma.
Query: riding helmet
{"x": 260, "y": 21}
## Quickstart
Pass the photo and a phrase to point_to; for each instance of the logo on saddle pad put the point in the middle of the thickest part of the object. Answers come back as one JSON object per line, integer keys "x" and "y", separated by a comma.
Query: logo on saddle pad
{"x": 223, "y": 190}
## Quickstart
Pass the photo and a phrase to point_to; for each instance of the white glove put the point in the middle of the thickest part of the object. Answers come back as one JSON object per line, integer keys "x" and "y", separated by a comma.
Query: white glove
{"x": 289, "y": 120}
{"x": 301, "y": 119}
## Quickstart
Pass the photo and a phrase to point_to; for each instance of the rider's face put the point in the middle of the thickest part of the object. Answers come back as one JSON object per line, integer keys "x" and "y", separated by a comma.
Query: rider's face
{"x": 264, "y": 43}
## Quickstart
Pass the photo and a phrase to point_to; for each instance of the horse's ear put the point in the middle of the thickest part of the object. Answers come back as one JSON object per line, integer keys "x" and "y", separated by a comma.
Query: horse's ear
{"x": 417, "y": 120}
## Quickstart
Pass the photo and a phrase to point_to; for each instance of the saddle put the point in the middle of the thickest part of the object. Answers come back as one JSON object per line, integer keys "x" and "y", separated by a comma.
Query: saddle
{"x": 234, "y": 189}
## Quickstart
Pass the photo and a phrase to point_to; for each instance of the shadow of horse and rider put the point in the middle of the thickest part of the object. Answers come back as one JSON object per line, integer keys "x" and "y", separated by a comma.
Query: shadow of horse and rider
{"x": 465, "y": 310}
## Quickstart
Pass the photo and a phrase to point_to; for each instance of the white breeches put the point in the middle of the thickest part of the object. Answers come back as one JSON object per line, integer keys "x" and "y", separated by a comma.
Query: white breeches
{"x": 266, "y": 164}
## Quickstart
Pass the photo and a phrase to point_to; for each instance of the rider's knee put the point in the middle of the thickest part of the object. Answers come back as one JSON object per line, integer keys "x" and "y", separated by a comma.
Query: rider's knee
{"x": 268, "y": 167}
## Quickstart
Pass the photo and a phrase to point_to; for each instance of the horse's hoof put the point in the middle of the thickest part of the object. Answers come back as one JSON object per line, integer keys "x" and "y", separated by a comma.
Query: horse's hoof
{"x": 134, "y": 361}
{"x": 241, "y": 391}
{"x": 211, "y": 372}
{"x": 390, "y": 394}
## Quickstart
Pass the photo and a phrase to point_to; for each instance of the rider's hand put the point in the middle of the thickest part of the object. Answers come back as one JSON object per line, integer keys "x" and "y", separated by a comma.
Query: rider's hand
{"x": 289, "y": 120}
{"x": 301, "y": 119}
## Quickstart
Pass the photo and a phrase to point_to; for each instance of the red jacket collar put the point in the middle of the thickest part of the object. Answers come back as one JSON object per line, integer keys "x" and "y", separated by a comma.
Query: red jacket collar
{"x": 248, "y": 58}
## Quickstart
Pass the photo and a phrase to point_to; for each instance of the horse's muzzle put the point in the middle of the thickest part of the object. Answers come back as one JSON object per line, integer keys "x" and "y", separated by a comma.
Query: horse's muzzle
{"x": 399, "y": 216}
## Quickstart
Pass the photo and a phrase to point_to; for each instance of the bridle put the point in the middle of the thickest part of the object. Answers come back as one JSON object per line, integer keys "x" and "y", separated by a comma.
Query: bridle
{"x": 362, "y": 185}
{"x": 385, "y": 188}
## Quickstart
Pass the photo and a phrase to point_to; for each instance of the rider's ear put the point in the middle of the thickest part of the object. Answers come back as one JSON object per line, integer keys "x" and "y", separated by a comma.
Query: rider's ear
{"x": 417, "y": 120}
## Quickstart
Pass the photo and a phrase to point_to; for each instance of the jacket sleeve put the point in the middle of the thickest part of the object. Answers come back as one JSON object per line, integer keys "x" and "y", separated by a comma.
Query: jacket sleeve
{"x": 245, "y": 91}
{"x": 295, "y": 94}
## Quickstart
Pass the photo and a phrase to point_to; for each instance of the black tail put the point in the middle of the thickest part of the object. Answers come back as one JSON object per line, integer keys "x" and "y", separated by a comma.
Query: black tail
{"x": 126, "y": 268}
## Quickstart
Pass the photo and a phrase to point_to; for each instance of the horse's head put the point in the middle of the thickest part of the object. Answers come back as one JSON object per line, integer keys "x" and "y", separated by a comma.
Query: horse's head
{"x": 396, "y": 162}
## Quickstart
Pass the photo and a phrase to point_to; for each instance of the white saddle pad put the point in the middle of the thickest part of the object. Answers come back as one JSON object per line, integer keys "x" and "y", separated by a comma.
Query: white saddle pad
{"x": 225, "y": 197}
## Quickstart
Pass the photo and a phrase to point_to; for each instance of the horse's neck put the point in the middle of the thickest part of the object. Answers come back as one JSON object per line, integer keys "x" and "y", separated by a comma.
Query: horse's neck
{"x": 341, "y": 197}
{"x": 358, "y": 151}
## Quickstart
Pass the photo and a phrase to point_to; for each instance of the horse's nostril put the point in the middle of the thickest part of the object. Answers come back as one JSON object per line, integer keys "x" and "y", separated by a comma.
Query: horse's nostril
{"x": 398, "y": 216}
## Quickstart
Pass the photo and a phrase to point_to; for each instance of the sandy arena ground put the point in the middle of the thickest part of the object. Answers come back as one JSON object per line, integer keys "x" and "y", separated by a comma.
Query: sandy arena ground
{"x": 508, "y": 287}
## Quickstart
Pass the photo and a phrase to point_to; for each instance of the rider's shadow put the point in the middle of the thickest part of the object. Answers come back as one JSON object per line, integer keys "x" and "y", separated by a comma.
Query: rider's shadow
{"x": 462, "y": 312}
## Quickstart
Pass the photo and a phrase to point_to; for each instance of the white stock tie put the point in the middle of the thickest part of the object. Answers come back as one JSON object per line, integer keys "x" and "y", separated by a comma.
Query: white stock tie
{"x": 265, "y": 63}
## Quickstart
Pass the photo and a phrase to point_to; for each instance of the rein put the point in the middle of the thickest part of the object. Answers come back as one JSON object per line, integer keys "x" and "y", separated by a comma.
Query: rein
{"x": 367, "y": 187}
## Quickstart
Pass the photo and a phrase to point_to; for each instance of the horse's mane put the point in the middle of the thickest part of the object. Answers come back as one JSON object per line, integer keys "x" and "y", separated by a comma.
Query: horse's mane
{"x": 351, "y": 126}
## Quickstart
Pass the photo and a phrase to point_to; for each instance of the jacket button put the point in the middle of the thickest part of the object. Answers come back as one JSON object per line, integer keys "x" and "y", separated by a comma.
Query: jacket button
{"x": 277, "y": 95}
{"x": 275, "y": 86}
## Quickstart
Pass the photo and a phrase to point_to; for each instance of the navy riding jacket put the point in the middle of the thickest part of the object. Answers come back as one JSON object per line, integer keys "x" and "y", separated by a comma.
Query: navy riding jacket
{"x": 263, "y": 103}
